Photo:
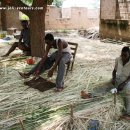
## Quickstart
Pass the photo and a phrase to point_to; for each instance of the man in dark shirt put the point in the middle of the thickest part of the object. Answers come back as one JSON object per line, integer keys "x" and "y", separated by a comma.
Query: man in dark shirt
{"x": 25, "y": 36}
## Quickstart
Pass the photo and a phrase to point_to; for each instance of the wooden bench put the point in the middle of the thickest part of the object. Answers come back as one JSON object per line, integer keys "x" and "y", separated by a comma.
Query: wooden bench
{"x": 73, "y": 47}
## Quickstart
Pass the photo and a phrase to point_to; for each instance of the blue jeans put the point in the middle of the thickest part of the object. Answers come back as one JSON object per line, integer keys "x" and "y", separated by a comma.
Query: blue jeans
{"x": 49, "y": 63}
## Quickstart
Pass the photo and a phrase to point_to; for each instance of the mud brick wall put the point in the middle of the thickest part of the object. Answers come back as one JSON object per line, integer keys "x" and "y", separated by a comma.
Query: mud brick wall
{"x": 116, "y": 24}
{"x": 56, "y": 18}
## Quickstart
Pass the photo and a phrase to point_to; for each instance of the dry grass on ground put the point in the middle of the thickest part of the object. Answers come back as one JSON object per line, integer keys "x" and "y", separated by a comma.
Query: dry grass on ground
{"x": 93, "y": 66}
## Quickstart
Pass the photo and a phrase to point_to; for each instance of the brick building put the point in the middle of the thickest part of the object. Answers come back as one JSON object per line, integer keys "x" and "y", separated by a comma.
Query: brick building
{"x": 115, "y": 19}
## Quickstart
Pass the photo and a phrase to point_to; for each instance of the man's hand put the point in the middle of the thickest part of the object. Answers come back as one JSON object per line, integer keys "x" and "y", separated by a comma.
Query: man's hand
{"x": 50, "y": 73}
{"x": 36, "y": 73}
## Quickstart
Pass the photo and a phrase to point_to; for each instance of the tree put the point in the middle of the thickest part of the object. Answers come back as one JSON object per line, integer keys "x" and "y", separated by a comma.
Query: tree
{"x": 58, "y": 3}
{"x": 3, "y": 18}
{"x": 37, "y": 21}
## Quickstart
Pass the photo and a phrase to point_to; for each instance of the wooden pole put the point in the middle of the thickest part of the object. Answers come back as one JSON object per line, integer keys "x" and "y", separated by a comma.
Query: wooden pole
{"x": 71, "y": 113}
{"x": 115, "y": 98}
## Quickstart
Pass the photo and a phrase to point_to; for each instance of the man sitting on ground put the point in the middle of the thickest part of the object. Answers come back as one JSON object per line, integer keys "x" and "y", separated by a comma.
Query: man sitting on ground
{"x": 58, "y": 58}
{"x": 25, "y": 36}
{"x": 121, "y": 75}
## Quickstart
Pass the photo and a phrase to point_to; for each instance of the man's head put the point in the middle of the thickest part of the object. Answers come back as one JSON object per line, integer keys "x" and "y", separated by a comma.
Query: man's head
{"x": 24, "y": 23}
{"x": 125, "y": 54}
{"x": 49, "y": 38}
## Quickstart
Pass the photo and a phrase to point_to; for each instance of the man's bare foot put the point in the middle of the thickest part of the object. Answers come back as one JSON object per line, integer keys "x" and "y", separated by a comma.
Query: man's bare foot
{"x": 5, "y": 55}
{"x": 58, "y": 89}
{"x": 24, "y": 75}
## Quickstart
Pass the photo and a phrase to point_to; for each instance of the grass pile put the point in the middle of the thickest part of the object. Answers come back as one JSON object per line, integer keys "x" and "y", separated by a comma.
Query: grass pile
{"x": 18, "y": 102}
{"x": 50, "y": 110}
{"x": 103, "y": 110}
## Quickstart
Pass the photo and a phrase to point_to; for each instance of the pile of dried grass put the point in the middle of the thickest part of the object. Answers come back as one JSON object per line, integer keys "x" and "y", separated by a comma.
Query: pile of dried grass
{"x": 104, "y": 111}
{"x": 92, "y": 33}
{"x": 35, "y": 108}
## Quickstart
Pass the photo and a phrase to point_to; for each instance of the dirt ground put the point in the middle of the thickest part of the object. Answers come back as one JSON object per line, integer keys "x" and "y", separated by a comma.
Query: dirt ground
{"x": 93, "y": 65}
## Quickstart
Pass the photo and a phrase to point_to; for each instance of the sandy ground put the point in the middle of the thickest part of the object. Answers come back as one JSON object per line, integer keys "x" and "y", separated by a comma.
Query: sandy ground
{"x": 93, "y": 65}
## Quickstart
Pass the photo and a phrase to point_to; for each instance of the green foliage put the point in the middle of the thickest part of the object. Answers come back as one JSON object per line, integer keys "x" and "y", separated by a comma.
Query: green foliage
{"x": 58, "y": 3}
{"x": 27, "y": 2}
{"x": 24, "y": 17}
{"x": 49, "y": 2}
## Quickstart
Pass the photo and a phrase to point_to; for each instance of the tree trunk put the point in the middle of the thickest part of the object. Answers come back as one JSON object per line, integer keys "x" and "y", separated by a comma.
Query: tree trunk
{"x": 37, "y": 32}
{"x": 3, "y": 18}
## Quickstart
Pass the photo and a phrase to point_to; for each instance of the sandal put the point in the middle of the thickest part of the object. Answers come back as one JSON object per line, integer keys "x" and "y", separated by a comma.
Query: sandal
{"x": 58, "y": 89}
{"x": 23, "y": 75}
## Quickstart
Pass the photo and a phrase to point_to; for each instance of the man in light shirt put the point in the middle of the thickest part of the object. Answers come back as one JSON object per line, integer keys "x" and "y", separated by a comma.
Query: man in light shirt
{"x": 121, "y": 75}
{"x": 59, "y": 58}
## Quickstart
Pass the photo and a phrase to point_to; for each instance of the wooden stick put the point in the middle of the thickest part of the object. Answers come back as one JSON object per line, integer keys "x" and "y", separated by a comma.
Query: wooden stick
{"x": 21, "y": 123}
{"x": 115, "y": 98}
{"x": 71, "y": 114}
